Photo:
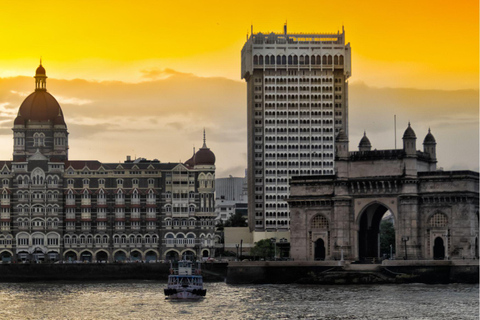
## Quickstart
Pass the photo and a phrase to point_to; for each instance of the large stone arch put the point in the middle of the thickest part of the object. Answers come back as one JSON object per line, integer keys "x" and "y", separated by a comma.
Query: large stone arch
{"x": 367, "y": 226}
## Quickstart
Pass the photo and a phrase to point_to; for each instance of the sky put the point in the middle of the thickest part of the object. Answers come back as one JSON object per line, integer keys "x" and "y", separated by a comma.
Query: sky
{"x": 144, "y": 78}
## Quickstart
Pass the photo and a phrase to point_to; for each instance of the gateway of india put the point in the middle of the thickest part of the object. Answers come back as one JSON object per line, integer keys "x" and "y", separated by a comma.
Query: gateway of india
{"x": 435, "y": 212}
{"x": 54, "y": 208}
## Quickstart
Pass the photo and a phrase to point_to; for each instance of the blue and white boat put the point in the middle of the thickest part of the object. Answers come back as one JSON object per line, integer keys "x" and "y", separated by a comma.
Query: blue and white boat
{"x": 185, "y": 281}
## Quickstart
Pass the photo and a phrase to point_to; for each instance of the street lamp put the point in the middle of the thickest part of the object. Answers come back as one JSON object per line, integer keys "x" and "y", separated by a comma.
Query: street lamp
{"x": 405, "y": 239}
{"x": 237, "y": 250}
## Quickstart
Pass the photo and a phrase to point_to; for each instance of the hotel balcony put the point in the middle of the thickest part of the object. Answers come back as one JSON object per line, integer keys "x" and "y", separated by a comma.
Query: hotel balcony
{"x": 119, "y": 202}
{"x": 5, "y": 202}
{"x": 5, "y": 228}
{"x": 70, "y": 202}
{"x": 86, "y": 202}
{"x": 101, "y": 202}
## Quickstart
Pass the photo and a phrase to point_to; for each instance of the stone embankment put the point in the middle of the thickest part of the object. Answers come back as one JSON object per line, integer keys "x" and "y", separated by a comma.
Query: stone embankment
{"x": 337, "y": 272}
{"x": 100, "y": 272}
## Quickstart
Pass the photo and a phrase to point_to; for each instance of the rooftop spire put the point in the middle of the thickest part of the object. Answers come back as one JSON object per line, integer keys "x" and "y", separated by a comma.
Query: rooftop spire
{"x": 204, "y": 139}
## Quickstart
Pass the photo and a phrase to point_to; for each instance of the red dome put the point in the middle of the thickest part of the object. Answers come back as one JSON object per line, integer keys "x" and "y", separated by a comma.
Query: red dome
{"x": 40, "y": 106}
{"x": 204, "y": 157}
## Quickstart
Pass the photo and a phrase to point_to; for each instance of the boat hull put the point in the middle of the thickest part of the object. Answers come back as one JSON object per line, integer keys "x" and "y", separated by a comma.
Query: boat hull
{"x": 185, "y": 294}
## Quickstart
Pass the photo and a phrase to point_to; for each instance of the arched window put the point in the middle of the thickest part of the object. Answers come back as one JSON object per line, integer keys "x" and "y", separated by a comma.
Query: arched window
{"x": 438, "y": 220}
{"x": 255, "y": 60}
{"x": 38, "y": 139}
{"x": 260, "y": 60}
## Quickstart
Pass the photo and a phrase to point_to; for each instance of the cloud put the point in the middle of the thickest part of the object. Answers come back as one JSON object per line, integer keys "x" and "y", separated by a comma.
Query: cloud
{"x": 164, "y": 117}
{"x": 156, "y": 73}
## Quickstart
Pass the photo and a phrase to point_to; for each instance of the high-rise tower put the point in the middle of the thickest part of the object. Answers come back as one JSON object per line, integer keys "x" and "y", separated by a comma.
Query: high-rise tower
{"x": 297, "y": 100}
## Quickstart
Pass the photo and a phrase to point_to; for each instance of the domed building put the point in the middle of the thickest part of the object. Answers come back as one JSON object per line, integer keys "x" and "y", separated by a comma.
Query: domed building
{"x": 40, "y": 125}
{"x": 54, "y": 208}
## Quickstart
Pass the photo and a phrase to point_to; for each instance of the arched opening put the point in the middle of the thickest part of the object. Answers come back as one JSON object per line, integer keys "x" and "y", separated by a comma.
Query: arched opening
{"x": 102, "y": 256}
{"x": 38, "y": 255}
{"x": 319, "y": 249}
{"x": 135, "y": 256}
{"x": 53, "y": 256}
{"x": 71, "y": 256}
{"x": 205, "y": 253}
{"x": 438, "y": 249}
{"x": 376, "y": 233}
{"x": 120, "y": 256}
{"x": 6, "y": 257}
{"x": 151, "y": 256}
{"x": 189, "y": 255}
{"x": 86, "y": 256}
{"x": 171, "y": 256}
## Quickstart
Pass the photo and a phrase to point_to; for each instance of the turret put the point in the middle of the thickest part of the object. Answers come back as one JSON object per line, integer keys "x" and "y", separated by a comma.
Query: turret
{"x": 429, "y": 145}
{"x": 364, "y": 144}
{"x": 409, "y": 141}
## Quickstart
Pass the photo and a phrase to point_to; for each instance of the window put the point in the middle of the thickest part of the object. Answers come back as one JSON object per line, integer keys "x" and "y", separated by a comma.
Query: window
{"x": 38, "y": 139}
{"x": 438, "y": 220}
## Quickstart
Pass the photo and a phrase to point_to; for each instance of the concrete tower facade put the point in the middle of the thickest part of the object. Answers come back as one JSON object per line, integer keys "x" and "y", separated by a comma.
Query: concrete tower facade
{"x": 297, "y": 100}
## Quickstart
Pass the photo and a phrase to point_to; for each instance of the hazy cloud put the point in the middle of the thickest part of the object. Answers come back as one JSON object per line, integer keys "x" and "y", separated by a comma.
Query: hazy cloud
{"x": 156, "y": 73}
{"x": 164, "y": 118}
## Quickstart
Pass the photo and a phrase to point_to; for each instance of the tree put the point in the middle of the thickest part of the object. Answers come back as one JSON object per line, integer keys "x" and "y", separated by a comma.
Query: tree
{"x": 263, "y": 249}
{"x": 387, "y": 237}
{"x": 236, "y": 220}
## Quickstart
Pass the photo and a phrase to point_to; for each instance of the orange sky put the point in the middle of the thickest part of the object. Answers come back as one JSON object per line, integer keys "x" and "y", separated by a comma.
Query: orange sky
{"x": 419, "y": 44}
{"x": 178, "y": 66}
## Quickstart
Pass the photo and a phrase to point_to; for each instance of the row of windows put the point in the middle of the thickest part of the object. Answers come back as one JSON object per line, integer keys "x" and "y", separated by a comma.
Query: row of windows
{"x": 296, "y": 60}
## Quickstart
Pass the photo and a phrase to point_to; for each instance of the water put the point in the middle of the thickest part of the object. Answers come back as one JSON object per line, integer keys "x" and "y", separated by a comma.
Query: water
{"x": 145, "y": 300}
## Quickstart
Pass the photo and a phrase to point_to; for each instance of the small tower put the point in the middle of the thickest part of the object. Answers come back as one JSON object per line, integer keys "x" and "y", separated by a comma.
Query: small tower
{"x": 40, "y": 78}
{"x": 364, "y": 144}
{"x": 341, "y": 145}
{"x": 409, "y": 141}
{"x": 429, "y": 145}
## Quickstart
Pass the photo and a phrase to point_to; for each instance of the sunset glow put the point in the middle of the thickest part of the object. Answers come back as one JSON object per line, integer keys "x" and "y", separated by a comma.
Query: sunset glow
{"x": 155, "y": 73}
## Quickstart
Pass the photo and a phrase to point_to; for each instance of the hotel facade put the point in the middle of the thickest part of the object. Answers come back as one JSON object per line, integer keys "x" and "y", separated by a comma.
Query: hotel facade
{"x": 54, "y": 208}
{"x": 297, "y": 101}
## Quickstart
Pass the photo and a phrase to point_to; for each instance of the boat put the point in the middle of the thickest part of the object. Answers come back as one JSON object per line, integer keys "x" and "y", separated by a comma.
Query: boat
{"x": 185, "y": 281}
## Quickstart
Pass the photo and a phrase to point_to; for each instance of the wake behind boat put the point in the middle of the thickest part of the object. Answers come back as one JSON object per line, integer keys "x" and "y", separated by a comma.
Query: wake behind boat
{"x": 185, "y": 281}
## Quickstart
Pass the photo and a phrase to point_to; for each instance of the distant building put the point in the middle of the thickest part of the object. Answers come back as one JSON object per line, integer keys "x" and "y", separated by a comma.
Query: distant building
{"x": 435, "y": 212}
{"x": 297, "y": 100}
{"x": 54, "y": 208}
{"x": 230, "y": 194}
{"x": 230, "y": 188}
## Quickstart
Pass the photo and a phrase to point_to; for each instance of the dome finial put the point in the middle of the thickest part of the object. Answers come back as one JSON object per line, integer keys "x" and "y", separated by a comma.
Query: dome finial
{"x": 204, "y": 139}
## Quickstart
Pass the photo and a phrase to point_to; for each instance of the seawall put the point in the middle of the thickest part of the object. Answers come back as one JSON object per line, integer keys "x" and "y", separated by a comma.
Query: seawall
{"x": 337, "y": 272}
{"x": 100, "y": 272}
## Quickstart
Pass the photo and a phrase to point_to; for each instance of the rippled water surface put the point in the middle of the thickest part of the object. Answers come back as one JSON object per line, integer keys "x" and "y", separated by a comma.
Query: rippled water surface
{"x": 145, "y": 300}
